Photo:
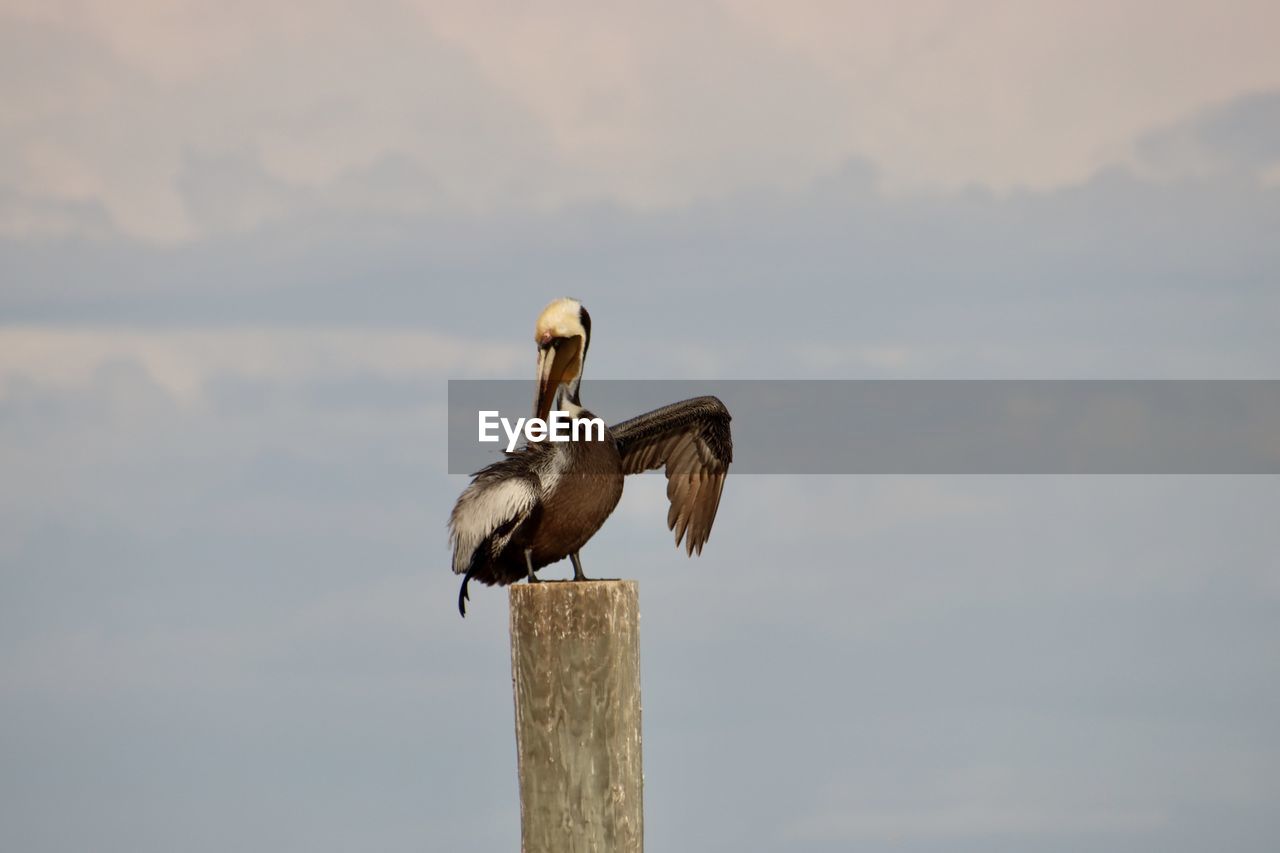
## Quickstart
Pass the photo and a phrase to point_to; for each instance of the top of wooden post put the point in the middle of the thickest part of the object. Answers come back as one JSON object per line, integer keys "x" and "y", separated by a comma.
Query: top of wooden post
{"x": 574, "y": 608}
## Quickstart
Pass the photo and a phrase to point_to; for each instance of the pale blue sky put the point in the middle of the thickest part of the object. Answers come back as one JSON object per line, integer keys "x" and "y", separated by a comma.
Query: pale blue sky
{"x": 241, "y": 252}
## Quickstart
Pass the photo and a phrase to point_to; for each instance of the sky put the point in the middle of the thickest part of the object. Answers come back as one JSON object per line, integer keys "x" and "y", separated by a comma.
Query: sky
{"x": 243, "y": 247}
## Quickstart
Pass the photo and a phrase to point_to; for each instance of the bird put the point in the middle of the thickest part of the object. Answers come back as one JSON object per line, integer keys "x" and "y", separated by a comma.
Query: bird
{"x": 544, "y": 501}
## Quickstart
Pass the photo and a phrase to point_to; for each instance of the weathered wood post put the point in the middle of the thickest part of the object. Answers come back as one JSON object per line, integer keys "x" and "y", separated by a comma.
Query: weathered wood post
{"x": 575, "y": 668}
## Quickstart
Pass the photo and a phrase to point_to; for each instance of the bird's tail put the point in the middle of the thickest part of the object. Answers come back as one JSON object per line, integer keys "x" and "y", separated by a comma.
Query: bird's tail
{"x": 463, "y": 597}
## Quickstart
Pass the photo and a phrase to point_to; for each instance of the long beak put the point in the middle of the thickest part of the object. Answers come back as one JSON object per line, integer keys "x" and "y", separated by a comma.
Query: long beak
{"x": 553, "y": 365}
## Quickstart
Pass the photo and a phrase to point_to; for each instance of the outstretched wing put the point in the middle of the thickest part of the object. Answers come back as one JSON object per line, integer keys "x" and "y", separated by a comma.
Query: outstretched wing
{"x": 691, "y": 440}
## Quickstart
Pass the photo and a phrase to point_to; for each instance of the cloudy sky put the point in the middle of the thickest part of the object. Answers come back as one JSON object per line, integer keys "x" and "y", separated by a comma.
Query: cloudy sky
{"x": 244, "y": 246}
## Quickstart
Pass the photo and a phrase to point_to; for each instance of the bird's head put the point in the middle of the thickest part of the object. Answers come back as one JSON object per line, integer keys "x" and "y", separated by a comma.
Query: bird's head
{"x": 562, "y": 334}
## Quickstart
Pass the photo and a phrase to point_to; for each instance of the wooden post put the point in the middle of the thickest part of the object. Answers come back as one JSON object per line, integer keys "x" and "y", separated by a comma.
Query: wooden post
{"x": 575, "y": 666}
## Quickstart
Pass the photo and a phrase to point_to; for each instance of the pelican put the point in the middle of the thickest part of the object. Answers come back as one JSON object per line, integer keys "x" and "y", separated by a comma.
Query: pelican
{"x": 543, "y": 502}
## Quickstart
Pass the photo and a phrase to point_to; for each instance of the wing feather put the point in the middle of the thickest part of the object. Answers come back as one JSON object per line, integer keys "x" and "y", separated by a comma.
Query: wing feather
{"x": 498, "y": 495}
{"x": 692, "y": 442}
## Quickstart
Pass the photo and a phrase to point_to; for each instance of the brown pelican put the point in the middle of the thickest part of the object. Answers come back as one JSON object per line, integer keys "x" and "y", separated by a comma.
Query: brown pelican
{"x": 543, "y": 502}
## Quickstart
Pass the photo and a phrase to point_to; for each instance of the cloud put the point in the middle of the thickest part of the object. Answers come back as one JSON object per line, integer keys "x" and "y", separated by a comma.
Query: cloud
{"x": 1128, "y": 275}
{"x": 232, "y": 192}
{"x": 188, "y": 363}
{"x": 39, "y": 219}
{"x": 946, "y": 94}
{"x": 121, "y": 105}
{"x": 1239, "y": 137}
{"x": 262, "y": 115}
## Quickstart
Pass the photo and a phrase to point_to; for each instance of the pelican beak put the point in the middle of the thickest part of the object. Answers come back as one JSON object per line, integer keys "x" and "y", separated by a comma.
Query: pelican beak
{"x": 554, "y": 360}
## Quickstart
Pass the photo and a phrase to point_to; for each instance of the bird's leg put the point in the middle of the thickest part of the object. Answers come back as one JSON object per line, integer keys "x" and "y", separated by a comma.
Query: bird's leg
{"x": 528, "y": 561}
{"x": 577, "y": 568}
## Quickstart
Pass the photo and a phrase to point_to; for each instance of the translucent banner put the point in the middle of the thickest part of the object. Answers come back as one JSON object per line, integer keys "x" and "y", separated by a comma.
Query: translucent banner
{"x": 933, "y": 427}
